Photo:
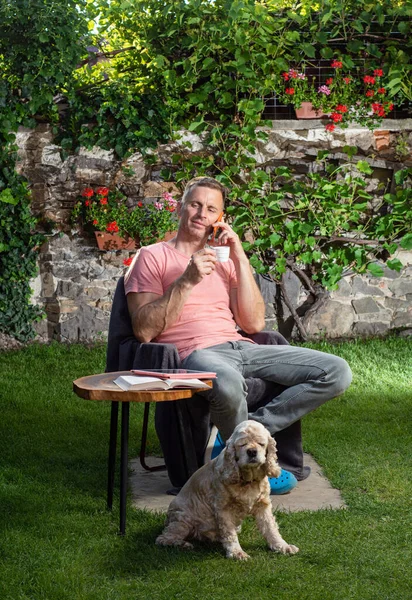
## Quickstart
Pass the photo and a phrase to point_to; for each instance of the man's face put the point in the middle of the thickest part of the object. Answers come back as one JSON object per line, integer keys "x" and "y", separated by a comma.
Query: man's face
{"x": 200, "y": 211}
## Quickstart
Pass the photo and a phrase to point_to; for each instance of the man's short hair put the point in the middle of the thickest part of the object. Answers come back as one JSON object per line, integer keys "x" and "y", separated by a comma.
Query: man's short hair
{"x": 203, "y": 181}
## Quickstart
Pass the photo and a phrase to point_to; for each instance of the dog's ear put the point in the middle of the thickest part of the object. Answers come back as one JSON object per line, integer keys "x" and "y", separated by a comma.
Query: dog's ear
{"x": 229, "y": 469}
{"x": 272, "y": 466}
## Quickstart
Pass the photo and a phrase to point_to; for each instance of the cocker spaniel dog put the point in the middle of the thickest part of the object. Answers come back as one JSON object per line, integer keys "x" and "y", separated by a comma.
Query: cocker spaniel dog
{"x": 216, "y": 499}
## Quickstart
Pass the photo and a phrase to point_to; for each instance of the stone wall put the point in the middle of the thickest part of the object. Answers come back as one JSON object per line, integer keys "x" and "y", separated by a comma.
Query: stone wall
{"x": 362, "y": 306}
{"x": 76, "y": 282}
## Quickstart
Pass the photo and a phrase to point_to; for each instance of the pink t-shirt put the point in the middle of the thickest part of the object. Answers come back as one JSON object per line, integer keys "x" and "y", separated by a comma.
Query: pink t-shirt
{"x": 206, "y": 319}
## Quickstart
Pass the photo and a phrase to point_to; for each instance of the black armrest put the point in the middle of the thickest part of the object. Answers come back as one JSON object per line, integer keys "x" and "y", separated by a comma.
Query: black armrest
{"x": 156, "y": 356}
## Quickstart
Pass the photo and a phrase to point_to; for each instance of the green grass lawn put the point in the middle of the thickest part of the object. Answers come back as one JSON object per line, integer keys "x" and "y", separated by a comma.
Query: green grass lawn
{"x": 59, "y": 542}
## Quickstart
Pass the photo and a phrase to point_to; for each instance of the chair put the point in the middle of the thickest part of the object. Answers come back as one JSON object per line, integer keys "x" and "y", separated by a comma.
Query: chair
{"x": 125, "y": 352}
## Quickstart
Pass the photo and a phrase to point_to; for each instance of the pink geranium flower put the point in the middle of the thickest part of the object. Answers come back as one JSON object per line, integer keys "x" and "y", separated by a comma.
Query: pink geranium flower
{"x": 324, "y": 90}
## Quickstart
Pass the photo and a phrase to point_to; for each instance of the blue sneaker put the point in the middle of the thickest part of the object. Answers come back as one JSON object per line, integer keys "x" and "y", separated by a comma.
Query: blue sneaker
{"x": 282, "y": 484}
{"x": 215, "y": 445}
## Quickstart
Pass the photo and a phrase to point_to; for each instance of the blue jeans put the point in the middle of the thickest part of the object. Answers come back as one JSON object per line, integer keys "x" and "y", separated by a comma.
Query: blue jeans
{"x": 311, "y": 378}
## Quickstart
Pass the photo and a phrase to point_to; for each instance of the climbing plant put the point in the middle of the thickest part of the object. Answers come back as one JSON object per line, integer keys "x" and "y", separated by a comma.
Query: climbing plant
{"x": 39, "y": 47}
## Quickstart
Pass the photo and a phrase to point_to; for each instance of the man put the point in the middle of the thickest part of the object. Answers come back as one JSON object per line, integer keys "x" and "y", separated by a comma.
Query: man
{"x": 178, "y": 293}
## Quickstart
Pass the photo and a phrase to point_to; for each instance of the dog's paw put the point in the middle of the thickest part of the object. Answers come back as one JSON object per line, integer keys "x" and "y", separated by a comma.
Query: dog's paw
{"x": 238, "y": 555}
{"x": 288, "y": 549}
{"x": 163, "y": 540}
{"x": 186, "y": 545}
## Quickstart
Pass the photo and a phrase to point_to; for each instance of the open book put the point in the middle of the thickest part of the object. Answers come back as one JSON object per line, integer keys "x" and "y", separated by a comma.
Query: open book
{"x": 132, "y": 382}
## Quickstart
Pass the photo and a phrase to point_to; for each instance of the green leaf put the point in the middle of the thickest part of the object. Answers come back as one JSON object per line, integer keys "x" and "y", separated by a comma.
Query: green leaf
{"x": 350, "y": 150}
{"x": 207, "y": 62}
{"x": 364, "y": 167}
{"x": 281, "y": 64}
{"x": 326, "y": 52}
{"x": 395, "y": 264}
{"x": 402, "y": 175}
{"x": 274, "y": 239}
{"x": 197, "y": 126}
{"x": 7, "y": 197}
{"x": 322, "y": 38}
{"x": 358, "y": 26}
{"x": 355, "y": 46}
{"x": 394, "y": 83}
{"x": 375, "y": 269}
{"x": 309, "y": 50}
{"x": 282, "y": 171}
{"x": 406, "y": 242}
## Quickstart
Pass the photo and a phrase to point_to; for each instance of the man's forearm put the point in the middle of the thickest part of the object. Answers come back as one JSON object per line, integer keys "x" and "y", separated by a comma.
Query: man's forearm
{"x": 151, "y": 319}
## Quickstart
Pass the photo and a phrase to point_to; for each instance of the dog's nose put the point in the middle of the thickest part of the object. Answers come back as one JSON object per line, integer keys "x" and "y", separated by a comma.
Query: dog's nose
{"x": 252, "y": 452}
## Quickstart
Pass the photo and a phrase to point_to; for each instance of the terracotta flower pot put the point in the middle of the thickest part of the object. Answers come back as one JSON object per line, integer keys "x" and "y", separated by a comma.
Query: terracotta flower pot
{"x": 113, "y": 241}
{"x": 306, "y": 111}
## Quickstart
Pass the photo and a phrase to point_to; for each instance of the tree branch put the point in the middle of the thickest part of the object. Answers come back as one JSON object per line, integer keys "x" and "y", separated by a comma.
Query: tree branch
{"x": 345, "y": 240}
{"x": 303, "y": 277}
{"x": 101, "y": 56}
{"x": 293, "y": 312}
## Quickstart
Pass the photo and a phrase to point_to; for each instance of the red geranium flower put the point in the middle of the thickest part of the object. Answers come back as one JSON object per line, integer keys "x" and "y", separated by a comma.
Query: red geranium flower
{"x": 103, "y": 201}
{"x": 369, "y": 93}
{"x": 390, "y": 107}
{"x": 378, "y": 109}
{"x": 95, "y": 222}
{"x": 128, "y": 261}
{"x": 378, "y": 72}
{"x": 87, "y": 203}
{"x": 112, "y": 227}
{"x": 342, "y": 108}
{"x": 347, "y": 80}
{"x": 381, "y": 91}
{"x": 140, "y": 204}
{"x": 293, "y": 74}
{"x": 369, "y": 79}
{"x": 102, "y": 191}
{"x": 330, "y": 127}
{"x": 290, "y": 91}
{"x": 336, "y": 117}
{"x": 336, "y": 64}
{"x": 329, "y": 80}
{"x": 87, "y": 193}
{"x": 285, "y": 76}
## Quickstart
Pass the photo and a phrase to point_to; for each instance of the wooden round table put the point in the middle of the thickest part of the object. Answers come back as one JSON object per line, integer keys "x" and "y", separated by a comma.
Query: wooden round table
{"x": 101, "y": 387}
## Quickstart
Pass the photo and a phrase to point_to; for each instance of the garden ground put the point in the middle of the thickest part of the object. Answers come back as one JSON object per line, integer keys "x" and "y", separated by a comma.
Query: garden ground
{"x": 58, "y": 541}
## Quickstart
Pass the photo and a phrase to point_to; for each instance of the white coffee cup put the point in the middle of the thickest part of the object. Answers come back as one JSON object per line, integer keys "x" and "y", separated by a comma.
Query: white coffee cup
{"x": 222, "y": 253}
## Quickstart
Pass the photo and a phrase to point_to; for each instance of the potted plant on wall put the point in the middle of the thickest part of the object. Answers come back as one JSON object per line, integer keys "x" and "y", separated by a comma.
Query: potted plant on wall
{"x": 118, "y": 227}
{"x": 343, "y": 98}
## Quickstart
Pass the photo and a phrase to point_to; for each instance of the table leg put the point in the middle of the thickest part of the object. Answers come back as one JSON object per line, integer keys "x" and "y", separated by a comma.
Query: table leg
{"x": 142, "y": 455}
{"x": 186, "y": 437}
{"x": 124, "y": 465}
{"x": 112, "y": 453}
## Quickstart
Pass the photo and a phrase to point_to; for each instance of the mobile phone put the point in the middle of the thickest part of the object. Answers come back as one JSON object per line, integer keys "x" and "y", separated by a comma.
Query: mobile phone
{"x": 217, "y": 230}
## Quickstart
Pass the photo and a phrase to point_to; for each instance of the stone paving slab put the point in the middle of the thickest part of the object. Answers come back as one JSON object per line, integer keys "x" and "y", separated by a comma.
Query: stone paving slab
{"x": 315, "y": 493}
